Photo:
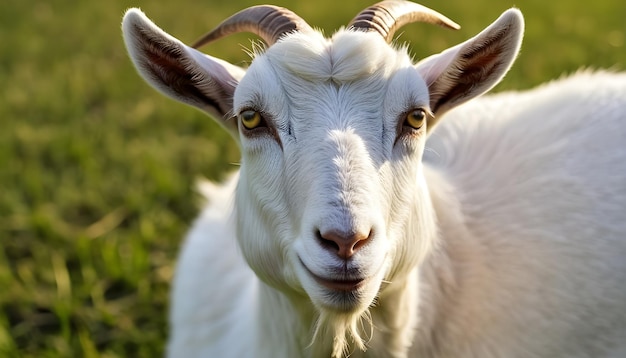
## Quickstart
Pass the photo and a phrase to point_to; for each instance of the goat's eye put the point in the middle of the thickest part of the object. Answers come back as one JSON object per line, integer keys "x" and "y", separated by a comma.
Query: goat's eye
{"x": 415, "y": 118}
{"x": 251, "y": 119}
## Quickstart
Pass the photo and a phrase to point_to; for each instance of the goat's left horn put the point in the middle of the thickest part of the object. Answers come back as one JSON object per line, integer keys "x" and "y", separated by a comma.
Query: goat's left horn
{"x": 267, "y": 21}
{"x": 386, "y": 17}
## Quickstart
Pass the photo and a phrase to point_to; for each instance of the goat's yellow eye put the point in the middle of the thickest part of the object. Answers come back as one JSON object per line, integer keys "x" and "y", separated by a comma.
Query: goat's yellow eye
{"x": 415, "y": 118}
{"x": 250, "y": 119}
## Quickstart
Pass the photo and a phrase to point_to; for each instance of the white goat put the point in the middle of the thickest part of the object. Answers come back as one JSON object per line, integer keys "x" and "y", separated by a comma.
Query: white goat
{"x": 511, "y": 242}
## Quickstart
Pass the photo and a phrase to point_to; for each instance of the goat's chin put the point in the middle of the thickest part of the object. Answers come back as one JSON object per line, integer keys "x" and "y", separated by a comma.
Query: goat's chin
{"x": 342, "y": 302}
{"x": 339, "y": 301}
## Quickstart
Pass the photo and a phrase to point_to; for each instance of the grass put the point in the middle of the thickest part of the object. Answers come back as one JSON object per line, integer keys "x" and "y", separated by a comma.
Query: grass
{"x": 97, "y": 169}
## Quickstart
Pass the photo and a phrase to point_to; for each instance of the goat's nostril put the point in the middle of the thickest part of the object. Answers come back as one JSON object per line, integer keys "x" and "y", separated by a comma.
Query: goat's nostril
{"x": 345, "y": 245}
{"x": 328, "y": 244}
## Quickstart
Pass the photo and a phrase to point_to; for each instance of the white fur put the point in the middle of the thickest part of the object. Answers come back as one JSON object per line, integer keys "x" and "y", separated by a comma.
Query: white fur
{"x": 507, "y": 240}
{"x": 529, "y": 190}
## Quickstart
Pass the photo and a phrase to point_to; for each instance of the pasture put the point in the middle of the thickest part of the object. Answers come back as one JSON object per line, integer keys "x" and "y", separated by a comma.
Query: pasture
{"x": 97, "y": 170}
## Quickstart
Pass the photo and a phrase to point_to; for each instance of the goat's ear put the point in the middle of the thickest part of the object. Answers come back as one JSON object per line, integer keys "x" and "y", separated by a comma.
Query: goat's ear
{"x": 473, "y": 67}
{"x": 180, "y": 71}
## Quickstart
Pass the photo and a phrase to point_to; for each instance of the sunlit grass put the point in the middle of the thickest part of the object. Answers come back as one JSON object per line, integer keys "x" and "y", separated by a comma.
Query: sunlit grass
{"x": 97, "y": 169}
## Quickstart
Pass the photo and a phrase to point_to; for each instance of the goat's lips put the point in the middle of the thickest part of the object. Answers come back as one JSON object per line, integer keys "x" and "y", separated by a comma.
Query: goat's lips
{"x": 339, "y": 284}
{"x": 345, "y": 285}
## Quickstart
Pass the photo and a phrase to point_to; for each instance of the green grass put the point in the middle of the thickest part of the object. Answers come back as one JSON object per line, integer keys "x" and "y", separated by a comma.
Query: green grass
{"x": 97, "y": 169}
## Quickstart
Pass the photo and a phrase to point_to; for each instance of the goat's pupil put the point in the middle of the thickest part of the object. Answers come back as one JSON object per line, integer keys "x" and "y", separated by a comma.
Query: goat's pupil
{"x": 416, "y": 118}
{"x": 250, "y": 119}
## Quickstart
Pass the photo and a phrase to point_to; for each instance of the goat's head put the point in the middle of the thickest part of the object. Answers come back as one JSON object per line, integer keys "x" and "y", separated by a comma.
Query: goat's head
{"x": 332, "y": 203}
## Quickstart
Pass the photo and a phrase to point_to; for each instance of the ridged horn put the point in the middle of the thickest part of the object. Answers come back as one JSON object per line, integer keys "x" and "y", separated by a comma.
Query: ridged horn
{"x": 386, "y": 17}
{"x": 267, "y": 21}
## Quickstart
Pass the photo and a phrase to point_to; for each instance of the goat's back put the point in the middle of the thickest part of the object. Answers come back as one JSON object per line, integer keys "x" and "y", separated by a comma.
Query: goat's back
{"x": 540, "y": 246}
{"x": 560, "y": 147}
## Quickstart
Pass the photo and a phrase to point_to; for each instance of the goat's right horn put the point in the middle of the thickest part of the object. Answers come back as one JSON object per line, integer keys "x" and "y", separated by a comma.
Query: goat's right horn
{"x": 267, "y": 21}
{"x": 386, "y": 17}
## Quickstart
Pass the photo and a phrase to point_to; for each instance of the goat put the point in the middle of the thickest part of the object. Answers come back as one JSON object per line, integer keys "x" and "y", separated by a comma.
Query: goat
{"x": 341, "y": 235}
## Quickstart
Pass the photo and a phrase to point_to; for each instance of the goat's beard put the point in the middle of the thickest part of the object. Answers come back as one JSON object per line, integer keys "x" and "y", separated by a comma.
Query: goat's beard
{"x": 341, "y": 331}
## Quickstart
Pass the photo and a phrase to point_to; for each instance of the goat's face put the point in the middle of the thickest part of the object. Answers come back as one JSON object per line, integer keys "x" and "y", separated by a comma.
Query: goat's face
{"x": 332, "y": 132}
{"x": 332, "y": 204}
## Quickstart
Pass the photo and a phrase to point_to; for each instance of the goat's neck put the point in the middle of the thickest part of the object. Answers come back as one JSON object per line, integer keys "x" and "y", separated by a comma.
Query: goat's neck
{"x": 394, "y": 317}
{"x": 439, "y": 274}
{"x": 284, "y": 323}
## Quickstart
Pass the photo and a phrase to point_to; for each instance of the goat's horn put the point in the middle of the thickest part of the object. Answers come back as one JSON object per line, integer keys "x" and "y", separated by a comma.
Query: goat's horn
{"x": 267, "y": 21}
{"x": 386, "y": 17}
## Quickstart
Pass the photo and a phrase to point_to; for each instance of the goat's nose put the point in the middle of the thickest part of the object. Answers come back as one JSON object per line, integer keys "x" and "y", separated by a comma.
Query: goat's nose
{"x": 344, "y": 244}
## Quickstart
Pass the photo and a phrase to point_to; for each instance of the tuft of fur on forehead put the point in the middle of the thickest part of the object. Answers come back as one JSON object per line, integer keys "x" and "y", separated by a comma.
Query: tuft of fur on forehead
{"x": 346, "y": 57}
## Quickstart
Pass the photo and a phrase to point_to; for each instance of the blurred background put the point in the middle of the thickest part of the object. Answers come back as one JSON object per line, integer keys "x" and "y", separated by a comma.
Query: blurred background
{"x": 97, "y": 169}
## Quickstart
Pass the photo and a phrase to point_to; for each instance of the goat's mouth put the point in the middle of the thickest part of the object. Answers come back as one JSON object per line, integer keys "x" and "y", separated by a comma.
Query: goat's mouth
{"x": 338, "y": 284}
{"x": 346, "y": 290}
